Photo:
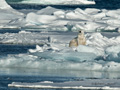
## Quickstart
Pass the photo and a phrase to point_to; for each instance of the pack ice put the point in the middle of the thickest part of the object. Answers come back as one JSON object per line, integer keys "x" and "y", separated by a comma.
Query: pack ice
{"x": 49, "y": 18}
{"x": 53, "y": 52}
{"x": 90, "y": 19}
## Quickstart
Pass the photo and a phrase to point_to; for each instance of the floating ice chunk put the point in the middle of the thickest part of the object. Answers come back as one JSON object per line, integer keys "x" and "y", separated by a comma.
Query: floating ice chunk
{"x": 47, "y": 11}
{"x": 77, "y": 14}
{"x": 87, "y": 49}
{"x": 99, "y": 15}
{"x": 98, "y": 40}
{"x": 80, "y": 11}
{"x": 113, "y": 13}
{"x": 59, "y": 14}
{"x": 113, "y": 53}
{"x": 47, "y": 82}
{"x": 38, "y": 49}
{"x": 87, "y": 1}
{"x": 65, "y": 56}
{"x": 55, "y": 47}
{"x": 88, "y": 19}
{"x": 86, "y": 84}
{"x": 92, "y": 11}
{"x": 93, "y": 26}
{"x": 40, "y": 19}
{"x": 77, "y": 27}
{"x": 24, "y": 32}
{"x": 60, "y": 2}
{"x": 113, "y": 49}
{"x": 113, "y": 22}
{"x": 32, "y": 51}
{"x": 71, "y": 15}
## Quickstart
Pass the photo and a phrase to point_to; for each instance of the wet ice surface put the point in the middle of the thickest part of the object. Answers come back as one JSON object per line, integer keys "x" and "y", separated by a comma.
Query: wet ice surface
{"x": 31, "y": 77}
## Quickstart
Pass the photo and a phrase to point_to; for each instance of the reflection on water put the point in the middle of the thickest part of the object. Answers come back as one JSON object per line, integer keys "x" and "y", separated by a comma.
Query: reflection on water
{"x": 59, "y": 73}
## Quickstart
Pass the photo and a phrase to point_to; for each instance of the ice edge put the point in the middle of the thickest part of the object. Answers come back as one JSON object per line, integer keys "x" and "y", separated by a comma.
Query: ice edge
{"x": 63, "y": 87}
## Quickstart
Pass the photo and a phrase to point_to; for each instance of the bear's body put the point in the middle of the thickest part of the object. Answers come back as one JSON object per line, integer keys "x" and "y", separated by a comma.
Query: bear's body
{"x": 79, "y": 40}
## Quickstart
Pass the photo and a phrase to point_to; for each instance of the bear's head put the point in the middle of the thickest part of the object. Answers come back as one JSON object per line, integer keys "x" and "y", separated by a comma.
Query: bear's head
{"x": 81, "y": 32}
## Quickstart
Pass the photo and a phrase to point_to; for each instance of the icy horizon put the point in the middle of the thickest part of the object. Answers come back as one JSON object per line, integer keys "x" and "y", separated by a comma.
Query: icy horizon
{"x": 54, "y": 2}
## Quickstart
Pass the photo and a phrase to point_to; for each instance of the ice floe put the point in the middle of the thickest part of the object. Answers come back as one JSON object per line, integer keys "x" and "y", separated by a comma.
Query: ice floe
{"x": 89, "y": 19}
{"x": 53, "y": 52}
{"x": 52, "y": 19}
{"x": 60, "y": 2}
{"x": 104, "y": 84}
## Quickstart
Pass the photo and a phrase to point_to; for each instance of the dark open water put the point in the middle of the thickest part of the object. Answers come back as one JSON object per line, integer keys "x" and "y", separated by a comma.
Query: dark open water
{"x": 7, "y": 79}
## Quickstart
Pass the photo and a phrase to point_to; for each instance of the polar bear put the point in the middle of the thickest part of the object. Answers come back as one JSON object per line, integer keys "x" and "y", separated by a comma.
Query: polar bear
{"x": 79, "y": 40}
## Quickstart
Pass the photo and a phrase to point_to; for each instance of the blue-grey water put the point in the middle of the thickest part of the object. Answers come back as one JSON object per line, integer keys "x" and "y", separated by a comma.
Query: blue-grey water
{"x": 7, "y": 79}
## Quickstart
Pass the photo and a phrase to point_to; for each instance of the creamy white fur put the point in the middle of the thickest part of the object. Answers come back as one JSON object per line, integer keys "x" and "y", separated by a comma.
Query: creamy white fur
{"x": 79, "y": 40}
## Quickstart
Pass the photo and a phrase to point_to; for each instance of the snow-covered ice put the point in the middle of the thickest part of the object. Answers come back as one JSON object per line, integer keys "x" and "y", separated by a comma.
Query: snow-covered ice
{"x": 9, "y": 17}
{"x": 52, "y": 50}
{"x": 60, "y": 2}
{"x": 89, "y": 19}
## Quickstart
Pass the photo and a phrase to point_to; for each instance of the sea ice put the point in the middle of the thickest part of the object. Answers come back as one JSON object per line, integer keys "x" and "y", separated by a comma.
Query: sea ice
{"x": 9, "y": 17}
{"x": 101, "y": 53}
{"x": 60, "y": 2}
{"x": 47, "y": 11}
{"x": 91, "y": 84}
{"x": 39, "y": 19}
{"x": 59, "y": 14}
{"x": 73, "y": 20}
{"x": 53, "y": 19}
